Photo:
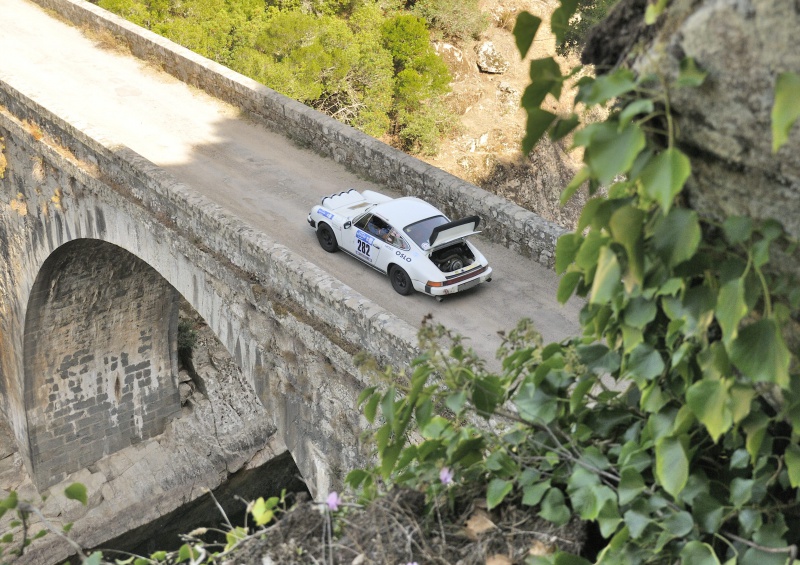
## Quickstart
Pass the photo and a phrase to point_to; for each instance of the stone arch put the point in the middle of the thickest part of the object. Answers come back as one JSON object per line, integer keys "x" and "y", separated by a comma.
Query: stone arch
{"x": 100, "y": 357}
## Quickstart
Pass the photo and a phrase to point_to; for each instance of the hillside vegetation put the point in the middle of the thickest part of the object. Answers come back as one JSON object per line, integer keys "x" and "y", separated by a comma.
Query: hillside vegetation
{"x": 368, "y": 63}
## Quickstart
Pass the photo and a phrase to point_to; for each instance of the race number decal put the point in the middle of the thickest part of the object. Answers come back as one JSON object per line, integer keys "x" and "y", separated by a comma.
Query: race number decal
{"x": 364, "y": 245}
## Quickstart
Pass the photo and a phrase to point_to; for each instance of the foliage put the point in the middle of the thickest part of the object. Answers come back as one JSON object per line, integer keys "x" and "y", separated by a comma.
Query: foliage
{"x": 187, "y": 341}
{"x": 588, "y": 13}
{"x": 672, "y": 423}
{"x": 363, "y": 62}
{"x": 454, "y": 19}
{"x": 18, "y": 538}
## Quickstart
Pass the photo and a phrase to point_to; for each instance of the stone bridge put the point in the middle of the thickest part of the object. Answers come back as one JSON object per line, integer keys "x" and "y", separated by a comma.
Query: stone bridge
{"x": 98, "y": 244}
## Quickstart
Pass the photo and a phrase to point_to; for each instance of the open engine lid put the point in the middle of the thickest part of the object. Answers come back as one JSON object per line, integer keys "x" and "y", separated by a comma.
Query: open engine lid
{"x": 452, "y": 231}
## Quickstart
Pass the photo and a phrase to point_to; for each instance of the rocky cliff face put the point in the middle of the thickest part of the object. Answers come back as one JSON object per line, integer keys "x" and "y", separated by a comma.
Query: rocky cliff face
{"x": 724, "y": 125}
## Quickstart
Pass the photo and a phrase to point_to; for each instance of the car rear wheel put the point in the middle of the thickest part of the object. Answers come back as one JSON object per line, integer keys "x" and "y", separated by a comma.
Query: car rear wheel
{"x": 401, "y": 282}
{"x": 326, "y": 238}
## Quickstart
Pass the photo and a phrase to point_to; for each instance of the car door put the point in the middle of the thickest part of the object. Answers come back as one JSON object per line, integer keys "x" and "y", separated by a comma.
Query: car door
{"x": 364, "y": 242}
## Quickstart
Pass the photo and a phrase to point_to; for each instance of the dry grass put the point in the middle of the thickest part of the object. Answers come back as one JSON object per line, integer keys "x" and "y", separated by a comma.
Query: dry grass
{"x": 395, "y": 529}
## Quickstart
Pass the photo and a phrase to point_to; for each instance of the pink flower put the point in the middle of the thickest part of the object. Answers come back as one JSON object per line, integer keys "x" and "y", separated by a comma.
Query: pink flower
{"x": 446, "y": 476}
{"x": 333, "y": 501}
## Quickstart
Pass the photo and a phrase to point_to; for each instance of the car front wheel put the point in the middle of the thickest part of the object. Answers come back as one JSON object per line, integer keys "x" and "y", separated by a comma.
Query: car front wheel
{"x": 401, "y": 282}
{"x": 326, "y": 238}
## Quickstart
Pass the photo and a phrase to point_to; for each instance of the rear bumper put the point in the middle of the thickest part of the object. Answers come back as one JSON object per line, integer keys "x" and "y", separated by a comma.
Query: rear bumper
{"x": 485, "y": 276}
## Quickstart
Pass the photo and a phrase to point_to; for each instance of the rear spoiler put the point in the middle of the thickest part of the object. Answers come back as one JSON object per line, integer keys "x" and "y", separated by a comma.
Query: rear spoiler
{"x": 452, "y": 231}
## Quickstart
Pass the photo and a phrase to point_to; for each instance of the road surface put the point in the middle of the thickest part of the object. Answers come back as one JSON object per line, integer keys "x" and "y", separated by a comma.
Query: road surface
{"x": 252, "y": 172}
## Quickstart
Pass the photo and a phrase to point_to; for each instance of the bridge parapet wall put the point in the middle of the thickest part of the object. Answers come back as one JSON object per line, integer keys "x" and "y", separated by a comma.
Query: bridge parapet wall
{"x": 504, "y": 222}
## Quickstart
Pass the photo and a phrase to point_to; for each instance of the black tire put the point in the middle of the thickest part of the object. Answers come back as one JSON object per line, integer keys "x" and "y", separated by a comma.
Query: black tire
{"x": 401, "y": 282}
{"x": 326, "y": 238}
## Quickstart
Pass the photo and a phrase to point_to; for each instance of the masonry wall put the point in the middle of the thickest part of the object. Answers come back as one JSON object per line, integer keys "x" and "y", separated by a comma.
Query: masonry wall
{"x": 505, "y": 222}
{"x": 100, "y": 357}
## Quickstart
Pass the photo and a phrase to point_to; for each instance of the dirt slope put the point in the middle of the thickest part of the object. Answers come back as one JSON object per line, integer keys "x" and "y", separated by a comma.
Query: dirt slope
{"x": 487, "y": 151}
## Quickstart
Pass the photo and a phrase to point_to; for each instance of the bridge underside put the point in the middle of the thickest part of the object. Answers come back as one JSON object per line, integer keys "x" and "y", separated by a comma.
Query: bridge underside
{"x": 99, "y": 356}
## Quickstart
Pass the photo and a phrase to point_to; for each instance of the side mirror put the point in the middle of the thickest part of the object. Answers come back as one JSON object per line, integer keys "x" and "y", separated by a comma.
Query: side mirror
{"x": 347, "y": 225}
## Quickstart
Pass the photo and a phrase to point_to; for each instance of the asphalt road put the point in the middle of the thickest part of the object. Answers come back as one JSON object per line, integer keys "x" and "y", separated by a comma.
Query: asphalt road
{"x": 254, "y": 173}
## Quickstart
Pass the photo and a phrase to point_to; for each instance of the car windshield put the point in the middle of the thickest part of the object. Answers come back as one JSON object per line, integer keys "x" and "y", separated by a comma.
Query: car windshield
{"x": 421, "y": 231}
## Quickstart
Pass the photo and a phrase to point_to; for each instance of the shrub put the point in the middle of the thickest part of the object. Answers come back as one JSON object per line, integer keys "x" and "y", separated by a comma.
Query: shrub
{"x": 453, "y": 19}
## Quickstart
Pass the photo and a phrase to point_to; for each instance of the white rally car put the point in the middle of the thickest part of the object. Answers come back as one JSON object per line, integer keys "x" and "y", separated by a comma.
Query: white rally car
{"x": 405, "y": 238}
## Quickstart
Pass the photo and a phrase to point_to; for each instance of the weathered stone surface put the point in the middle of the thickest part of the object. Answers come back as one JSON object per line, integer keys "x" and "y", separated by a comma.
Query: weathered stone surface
{"x": 725, "y": 124}
{"x": 221, "y": 431}
{"x": 455, "y": 60}
{"x": 489, "y": 59}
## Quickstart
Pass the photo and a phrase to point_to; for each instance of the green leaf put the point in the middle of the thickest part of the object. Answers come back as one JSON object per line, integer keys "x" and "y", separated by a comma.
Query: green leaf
{"x": 709, "y": 401}
{"x": 679, "y": 523}
{"x": 567, "y": 286}
{"x": 525, "y": 30}
{"x": 731, "y": 308}
{"x": 534, "y": 405}
{"x": 672, "y": 465}
{"x": 262, "y": 514}
{"x": 738, "y": 229}
{"x": 631, "y": 484}
{"x": 708, "y": 512}
{"x": 487, "y": 393}
{"x": 532, "y": 494}
{"x": 389, "y": 457}
{"x": 608, "y": 519}
{"x": 366, "y": 393}
{"x": 741, "y": 491}
{"x": 606, "y": 278}
{"x": 567, "y": 248}
{"x": 653, "y": 11}
{"x": 387, "y": 406}
{"x": 612, "y": 151}
{"x": 538, "y": 122}
{"x": 456, "y": 401}
{"x": 95, "y": 558}
{"x": 644, "y": 364}
{"x": 792, "y": 459}
{"x": 559, "y": 21}
{"x": 608, "y": 86}
{"x": 786, "y": 108}
{"x": 76, "y": 491}
{"x": 371, "y": 408}
{"x": 577, "y": 181}
{"x": 761, "y": 354}
{"x": 626, "y": 228}
{"x": 497, "y": 490}
{"x": 690, "y": 74}
{"x": 554, "y": 509}
{"x": 698, "y": 553}
{"x": 677, "y": 236}
{"x": 664, "y": 176}
{"x": 187, "y": 552}
{"x": 635, "y": 108}
{"x": 637, "y": 522}
{"x": 640, "y": 312}
{"x": 563, "y": 558}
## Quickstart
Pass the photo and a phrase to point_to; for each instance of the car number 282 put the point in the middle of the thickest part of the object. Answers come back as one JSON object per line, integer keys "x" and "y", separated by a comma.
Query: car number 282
{"x": 363, "y": 248}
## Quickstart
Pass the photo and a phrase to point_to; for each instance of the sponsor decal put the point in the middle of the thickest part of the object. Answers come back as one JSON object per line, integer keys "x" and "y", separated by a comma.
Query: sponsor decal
{"x": 324, "y": 212}
{"x": 403, "y": 256}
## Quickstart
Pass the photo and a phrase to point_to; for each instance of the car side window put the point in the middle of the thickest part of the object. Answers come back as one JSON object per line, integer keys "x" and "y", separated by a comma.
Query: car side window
{"x": 361, "y": 223}
{"x": 377, "y": 227}
{"x": 395, "y": 240}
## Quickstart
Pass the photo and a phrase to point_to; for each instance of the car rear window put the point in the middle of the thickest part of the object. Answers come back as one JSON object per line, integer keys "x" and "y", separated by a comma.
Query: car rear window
{"x": 421, "y": 231}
